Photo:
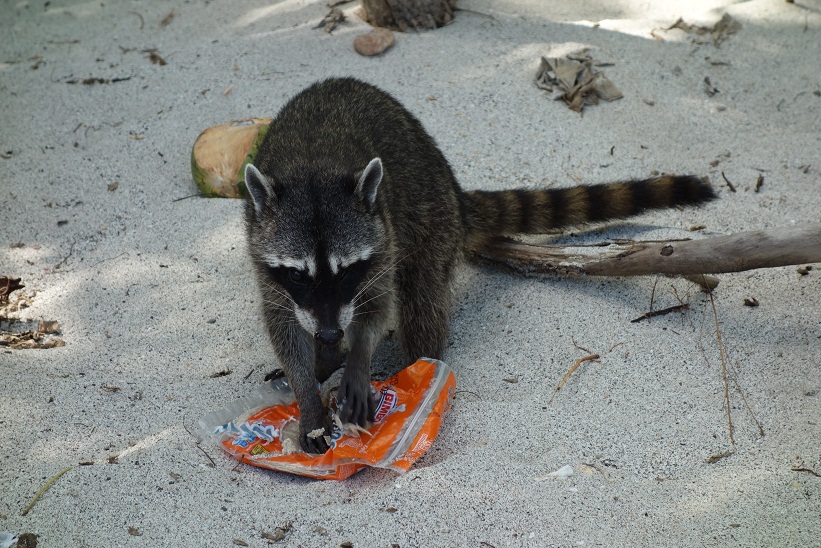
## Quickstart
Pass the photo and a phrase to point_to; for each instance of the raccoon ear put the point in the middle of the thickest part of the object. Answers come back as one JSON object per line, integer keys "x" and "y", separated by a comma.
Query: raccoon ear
{"x": 368, "y": 182}
{"x": 259, "y": 186}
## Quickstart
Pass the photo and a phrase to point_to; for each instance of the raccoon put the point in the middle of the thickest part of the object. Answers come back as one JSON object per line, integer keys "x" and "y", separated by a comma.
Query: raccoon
{"x": 355, "y": 223}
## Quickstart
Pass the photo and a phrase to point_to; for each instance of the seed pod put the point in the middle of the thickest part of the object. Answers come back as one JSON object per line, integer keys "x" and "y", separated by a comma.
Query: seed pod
{"x": 220, "y": 154}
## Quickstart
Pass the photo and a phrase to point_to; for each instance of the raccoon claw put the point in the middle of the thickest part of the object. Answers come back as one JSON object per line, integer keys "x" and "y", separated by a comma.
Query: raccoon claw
{"x": 357, "y": 405}
{"x": 312, "y": 436}
{"x": 315, "y": 446}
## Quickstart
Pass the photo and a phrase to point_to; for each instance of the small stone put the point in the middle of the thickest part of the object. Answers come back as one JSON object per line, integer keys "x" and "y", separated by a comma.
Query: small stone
{"x": 374, "y": 42}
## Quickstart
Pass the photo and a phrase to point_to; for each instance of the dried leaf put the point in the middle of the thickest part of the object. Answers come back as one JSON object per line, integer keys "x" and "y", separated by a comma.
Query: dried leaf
{"x": 48, "y": 326}
{"x": 607, "y": 90}
{"x": 156, "y": 59}
{"x": 167, "y": 19}
{"x": 331, "y": 20}
{"x": 279, "y": 533}
{"x": 709, "y": 88}
{"x": 567, "y": 71}
{"x": 573, "y": 79}
{"x": 725, "y": 27}
{"x": 29, "y": 334}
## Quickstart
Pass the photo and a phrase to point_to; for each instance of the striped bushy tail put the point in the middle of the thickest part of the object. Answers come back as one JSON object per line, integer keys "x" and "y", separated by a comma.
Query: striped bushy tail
{"x": 491, "y": 214}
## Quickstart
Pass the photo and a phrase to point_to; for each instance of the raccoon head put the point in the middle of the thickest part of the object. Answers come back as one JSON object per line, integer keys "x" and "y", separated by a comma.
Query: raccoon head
{"x": 314, "y": 240}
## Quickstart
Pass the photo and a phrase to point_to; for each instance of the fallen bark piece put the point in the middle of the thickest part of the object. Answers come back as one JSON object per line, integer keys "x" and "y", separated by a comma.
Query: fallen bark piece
{"x": 373, "y": 43}
{"x": 734, "y": 253}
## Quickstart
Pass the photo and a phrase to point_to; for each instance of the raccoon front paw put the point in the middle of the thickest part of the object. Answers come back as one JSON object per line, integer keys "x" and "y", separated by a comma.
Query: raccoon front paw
{"x": 312, "y": 435}
{"x": 356, "y": 404}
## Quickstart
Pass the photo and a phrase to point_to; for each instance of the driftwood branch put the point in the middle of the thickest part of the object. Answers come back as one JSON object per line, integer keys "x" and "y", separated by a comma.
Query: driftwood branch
{"x": 688, "y": 258}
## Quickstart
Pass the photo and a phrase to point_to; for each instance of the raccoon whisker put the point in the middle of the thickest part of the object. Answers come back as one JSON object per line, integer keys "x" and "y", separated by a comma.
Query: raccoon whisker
{"x": 278, "y": 291}
{"x": 386, "y": 291}
{"x": 379, "y": 274}
{"x": 366, "y": 312}
{"x": 386, "y": 269}
{"x": 284, "y": 297}
{"x": 273, "y": 287}
{"x": 276, "y": 301}
{"x": 279, "y": 306}
{"x": 358, "y": 305}
{"x": 362, "y": 293}
{"x": 283, "y": 321}
{"x": 372, "y": 281}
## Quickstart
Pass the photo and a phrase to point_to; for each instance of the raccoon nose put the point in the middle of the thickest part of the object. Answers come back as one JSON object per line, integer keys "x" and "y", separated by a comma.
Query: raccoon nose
{"x": 329, "y": 336}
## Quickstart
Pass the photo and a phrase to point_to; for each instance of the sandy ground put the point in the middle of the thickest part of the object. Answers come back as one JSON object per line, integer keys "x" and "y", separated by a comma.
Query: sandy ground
{"x": 153, "y": 295}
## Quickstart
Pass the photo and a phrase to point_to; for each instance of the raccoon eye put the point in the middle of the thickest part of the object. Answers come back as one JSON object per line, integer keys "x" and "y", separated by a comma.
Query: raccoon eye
{"x": 343, "y": 272}
{"x": 296, "y": 276}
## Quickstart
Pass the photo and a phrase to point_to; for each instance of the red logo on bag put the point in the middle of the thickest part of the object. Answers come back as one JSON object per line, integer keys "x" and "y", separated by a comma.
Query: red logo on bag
{"x": 386, "y": 404}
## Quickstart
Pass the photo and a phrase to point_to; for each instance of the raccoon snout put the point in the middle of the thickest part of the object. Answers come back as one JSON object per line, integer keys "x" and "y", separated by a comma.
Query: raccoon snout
{"x": 329, "y": 336}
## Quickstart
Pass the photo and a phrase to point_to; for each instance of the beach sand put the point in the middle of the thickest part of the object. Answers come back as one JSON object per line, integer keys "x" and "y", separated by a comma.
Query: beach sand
{"x": 153, "y": 292}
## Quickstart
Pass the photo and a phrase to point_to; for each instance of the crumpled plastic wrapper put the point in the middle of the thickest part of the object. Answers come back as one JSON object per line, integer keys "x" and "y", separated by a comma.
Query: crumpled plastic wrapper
{"x": 574, "y": 79}
{"x": 262, "y": 427}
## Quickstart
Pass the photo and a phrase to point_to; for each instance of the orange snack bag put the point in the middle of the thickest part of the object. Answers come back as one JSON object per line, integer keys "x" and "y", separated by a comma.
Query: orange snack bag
{"x": 261, "y": 429}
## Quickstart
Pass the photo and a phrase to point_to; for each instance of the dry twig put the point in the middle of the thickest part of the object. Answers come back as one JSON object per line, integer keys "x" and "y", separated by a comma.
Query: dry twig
{"x": 654, "y": 313}
{"x": 722, "y": 353}
{"x": 712, "y": 459}
{"x": 590, "y": 358}
{"x": 42, "y": 490}
{"x": 197, "y": 445}
{"x": 808, "y": 470}
{"x": 730, "y": 185}
{"x": 579, "y": 347}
